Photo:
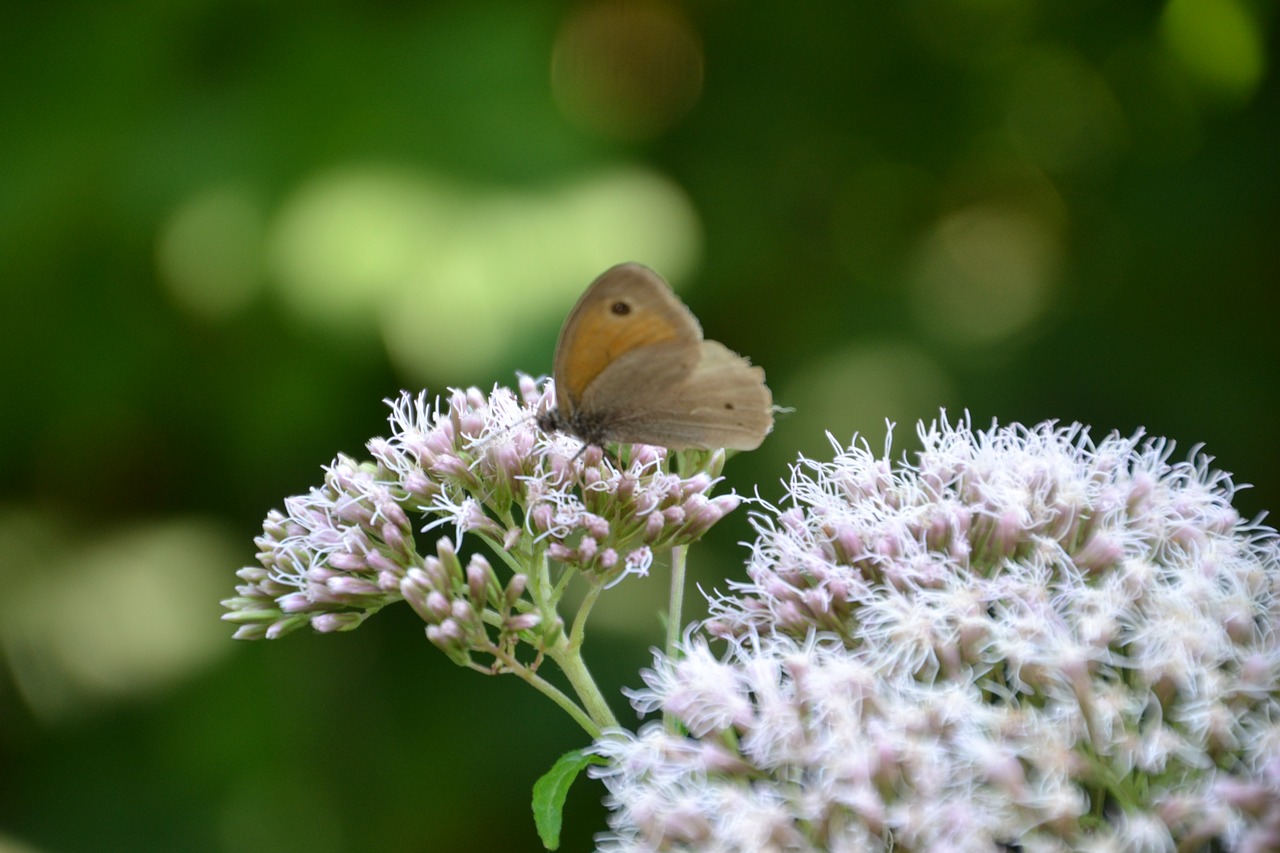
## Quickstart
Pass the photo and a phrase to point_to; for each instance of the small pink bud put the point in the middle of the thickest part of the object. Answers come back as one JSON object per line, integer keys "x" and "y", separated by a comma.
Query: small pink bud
{"x": 347, "y": 562}
{"x": 394, "y": 514}
{"x": 515, "y": 588}
{"x": 417, "y": 484}
{"x": 294, "y": 602}
{"x": 350, "y": 585}
{"x": 462, "y": 612}
{"x": 381, "y": 563}
{"x": 528, "y": 389}
{"x": 478, "y": 575}
{"x": 327, "y": 623}
{"x": 596, "y": 526}
{"x": 521, "y": 622}
{"x": 543, "y": 516}
{"x": 438, "y": 605}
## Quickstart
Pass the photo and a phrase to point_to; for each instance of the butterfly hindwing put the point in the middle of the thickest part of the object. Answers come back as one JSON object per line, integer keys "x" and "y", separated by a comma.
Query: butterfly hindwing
{"x": 721, "y": 401}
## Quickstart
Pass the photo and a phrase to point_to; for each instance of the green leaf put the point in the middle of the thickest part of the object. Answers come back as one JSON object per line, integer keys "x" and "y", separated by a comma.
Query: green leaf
{"x": 549, "y": 793}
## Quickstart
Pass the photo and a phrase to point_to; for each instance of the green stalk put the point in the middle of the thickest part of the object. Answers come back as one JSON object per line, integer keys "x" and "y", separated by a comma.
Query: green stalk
{"x": 675, "y": 601}
{"x": 675, "y": 608}
{"x": 569, "y": 658}
{"x": 555, "y": 694}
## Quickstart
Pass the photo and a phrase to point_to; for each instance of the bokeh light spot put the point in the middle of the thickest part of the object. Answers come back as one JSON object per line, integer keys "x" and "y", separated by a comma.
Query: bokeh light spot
{"x": 453, "y": 274}
{"x": 1061, "y": 112}
{"x": 517, "y": 260}
{"x": 627, "y": 69}
{"x": 9, "y": 844}
{"x": 1217, "y": 43}
{"x": 348, "y": 238}
{"x": 123, "y": 616}
{"x": 209, "y": 252}
{"x": 854, "y": 390}
{"x": 984, "y": 273}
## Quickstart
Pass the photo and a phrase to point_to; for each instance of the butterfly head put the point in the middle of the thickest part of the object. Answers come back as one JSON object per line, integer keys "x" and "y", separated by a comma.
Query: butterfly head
{"x": 591, "y": 430}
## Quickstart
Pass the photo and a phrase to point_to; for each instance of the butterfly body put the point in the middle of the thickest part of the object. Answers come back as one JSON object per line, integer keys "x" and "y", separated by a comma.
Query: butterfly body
{"x": 631, "y": 366}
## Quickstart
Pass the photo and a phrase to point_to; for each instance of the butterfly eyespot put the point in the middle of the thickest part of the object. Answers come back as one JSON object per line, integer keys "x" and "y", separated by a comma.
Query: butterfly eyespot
{"x": 620, "y": 308}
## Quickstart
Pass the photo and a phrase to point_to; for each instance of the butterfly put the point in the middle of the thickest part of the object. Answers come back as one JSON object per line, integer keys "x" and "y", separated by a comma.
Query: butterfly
{"x": 631, "y": 366}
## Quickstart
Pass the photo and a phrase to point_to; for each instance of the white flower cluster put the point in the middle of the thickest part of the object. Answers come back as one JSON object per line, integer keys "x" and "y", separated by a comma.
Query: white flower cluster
{"x": 1023, "y": 639}
{"x": 544, "y": 504}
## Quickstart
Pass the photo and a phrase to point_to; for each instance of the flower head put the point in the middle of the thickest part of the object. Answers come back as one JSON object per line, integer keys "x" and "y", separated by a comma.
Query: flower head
{"x": 479, "y": 467}
{"x": 1024, "y": 637}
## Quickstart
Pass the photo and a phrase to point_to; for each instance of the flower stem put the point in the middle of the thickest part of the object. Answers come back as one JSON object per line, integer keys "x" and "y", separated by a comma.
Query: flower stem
{"x": 556, "y": 695}
{"x": 578, "y": 633}
{"x": 675, "y": 608}
{"x": 569, "y": 658}
{"x": 513, "y": 563}
{"x": 675, "y": 602}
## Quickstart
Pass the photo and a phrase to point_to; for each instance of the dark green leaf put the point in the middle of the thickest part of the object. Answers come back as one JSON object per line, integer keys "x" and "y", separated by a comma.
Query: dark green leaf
{"x": 550, "y": 791}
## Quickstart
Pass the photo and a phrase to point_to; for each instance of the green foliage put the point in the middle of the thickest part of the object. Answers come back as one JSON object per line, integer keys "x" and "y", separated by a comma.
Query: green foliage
{"x": 549, "y": 793}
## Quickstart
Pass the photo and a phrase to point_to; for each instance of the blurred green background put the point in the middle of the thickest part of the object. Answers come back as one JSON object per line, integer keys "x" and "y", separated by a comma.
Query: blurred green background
{"x": 229, "y": 230}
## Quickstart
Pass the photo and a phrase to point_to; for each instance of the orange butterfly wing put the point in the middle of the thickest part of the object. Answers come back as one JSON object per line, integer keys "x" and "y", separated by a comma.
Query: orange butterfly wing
{"x": 628, "y": 306}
